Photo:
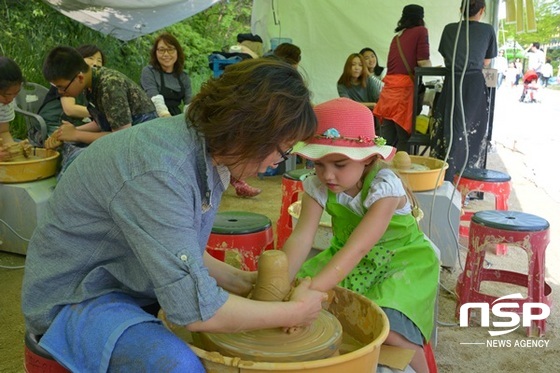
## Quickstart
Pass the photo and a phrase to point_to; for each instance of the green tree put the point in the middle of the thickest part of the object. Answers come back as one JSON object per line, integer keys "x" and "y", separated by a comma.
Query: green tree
{"x": 547, "y": 15}
{"x": 31, "y": 28}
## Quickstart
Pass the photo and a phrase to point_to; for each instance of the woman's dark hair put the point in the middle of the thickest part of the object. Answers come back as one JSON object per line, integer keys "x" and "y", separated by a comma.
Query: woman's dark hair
{"x": 412, "y": 16}
{"x": 377, "y": 70}
{"x": 63, "y": 63}
{"x": 346, "y": 77}
{"x": 254, "y": 106}
{"x": 88, "y": 50}
{"x": 168, "y": 39}
{"x": 471, "y": 7}
{"x": 10, "y": 73}
{"x": 289, "y": 53}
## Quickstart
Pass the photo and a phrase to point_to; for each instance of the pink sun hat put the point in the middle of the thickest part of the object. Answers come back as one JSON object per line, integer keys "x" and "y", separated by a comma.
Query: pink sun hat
{"x": 344, "y": 127}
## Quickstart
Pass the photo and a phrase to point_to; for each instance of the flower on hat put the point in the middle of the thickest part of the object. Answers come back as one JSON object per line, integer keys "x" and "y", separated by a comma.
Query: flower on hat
{"x": 332, "y": 133}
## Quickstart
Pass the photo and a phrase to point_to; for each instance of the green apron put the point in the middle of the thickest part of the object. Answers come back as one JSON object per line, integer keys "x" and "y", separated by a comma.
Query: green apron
{"x": 401, "y": 271}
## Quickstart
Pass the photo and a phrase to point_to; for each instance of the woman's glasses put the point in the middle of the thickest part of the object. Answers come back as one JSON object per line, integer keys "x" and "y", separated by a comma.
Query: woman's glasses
{"x": 169, "y": 51}
{"x": 284, "y": 155}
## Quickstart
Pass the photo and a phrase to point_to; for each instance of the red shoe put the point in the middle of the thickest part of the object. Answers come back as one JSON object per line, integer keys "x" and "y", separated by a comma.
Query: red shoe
{"x": 242, "y": 189}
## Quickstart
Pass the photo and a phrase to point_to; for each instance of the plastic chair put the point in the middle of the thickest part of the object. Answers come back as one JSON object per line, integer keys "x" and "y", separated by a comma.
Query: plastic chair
{"x": 28, "y": 102}
{"x": 292, "y": 186}
{"x": 218, "y": 61}
{"x": 526, "y": 231}
{"x": 245, "y": 233}
{"x": 37, "y": 359}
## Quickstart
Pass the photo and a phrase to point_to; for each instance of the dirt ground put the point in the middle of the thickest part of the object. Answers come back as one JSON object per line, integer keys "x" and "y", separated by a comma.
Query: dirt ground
{"x": 526, "y": 138}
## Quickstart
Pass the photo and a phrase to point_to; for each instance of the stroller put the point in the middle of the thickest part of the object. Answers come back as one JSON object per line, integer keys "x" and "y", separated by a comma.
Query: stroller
{"x": 530, "y": 87}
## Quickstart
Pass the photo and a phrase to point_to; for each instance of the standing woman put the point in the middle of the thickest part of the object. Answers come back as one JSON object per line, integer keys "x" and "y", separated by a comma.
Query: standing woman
{"x": 356, "y": 84}
{"x": 164, "y": 80}
{"x": 372, "y": 63}
{"x": 470, "y": 92}
{"x": 409, "y": 48}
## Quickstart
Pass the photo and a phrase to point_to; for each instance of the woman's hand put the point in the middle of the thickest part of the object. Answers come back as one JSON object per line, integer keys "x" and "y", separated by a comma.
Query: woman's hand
{"x": 311, "y": 301}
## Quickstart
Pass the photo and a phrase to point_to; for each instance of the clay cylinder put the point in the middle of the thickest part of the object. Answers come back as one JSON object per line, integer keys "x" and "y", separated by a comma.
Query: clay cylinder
{"x": 273, "y": 283}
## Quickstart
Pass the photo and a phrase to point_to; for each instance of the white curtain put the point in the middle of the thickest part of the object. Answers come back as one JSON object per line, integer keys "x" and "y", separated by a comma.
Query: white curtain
{"x": 328, "y": 31}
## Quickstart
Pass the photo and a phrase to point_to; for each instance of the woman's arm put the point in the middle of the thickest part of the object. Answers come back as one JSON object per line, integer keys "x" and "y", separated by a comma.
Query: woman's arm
{"x": 150, "y": 86}
{"x": 424, "y": 63}
{"x": 148, "y": 81}
{"x": 298, "y": 245}
{"x": 241, "y": 314}
{"x": 230, "y": 278}
{"x": 72, "y": 109}
{"x": 363, "y": 238}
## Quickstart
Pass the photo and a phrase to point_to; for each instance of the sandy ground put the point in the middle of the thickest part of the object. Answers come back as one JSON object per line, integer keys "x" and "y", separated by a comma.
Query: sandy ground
{"x": 526, "y": 138}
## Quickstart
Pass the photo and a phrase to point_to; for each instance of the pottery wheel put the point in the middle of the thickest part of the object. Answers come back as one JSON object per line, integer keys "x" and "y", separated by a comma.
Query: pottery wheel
{"x": 317, "y": 341}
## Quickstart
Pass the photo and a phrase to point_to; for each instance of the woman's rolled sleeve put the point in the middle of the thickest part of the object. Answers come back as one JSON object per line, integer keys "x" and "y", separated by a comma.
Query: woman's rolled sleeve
{"x": 195, "y": 297}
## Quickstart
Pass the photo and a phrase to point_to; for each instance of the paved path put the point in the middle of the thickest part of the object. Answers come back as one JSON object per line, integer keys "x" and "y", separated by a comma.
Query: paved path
{"x": 527, "y": 139}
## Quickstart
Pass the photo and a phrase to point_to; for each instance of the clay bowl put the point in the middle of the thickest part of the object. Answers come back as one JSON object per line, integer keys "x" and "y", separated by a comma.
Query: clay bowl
{"x": 363, "y": 322}
{"x": 41, "y": 164}
{"x": 324, "y": 234}
{"x": 426, "y": 174}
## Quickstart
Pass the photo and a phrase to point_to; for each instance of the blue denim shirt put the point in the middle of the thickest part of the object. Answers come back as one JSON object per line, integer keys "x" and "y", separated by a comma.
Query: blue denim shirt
{"x": 132, "y": 214}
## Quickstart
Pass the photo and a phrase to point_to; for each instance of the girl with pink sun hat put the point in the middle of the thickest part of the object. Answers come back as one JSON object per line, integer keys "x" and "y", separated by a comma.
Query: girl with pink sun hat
{"x": 377, "y": 248}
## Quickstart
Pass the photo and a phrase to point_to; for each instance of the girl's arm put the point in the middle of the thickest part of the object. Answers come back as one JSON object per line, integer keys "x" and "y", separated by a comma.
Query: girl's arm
{"x": 299, "y": 244}
{"x": 365, "y": 236}
{"x": 72, "y": 109}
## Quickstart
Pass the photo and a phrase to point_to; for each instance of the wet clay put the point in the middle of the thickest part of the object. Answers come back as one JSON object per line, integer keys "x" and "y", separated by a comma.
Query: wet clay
{"x": 273, "y": 282}
{"x": 317, "y": 341}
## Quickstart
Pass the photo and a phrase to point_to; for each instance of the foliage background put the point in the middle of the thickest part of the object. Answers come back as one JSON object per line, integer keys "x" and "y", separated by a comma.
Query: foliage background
{"x": 30, "y": 29}
{"x": 547, "y": 14}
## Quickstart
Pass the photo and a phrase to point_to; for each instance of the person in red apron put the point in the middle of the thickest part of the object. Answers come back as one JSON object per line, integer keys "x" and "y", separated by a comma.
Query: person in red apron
{"x": 409, "y": 48}
{"x": 377, "y": 248}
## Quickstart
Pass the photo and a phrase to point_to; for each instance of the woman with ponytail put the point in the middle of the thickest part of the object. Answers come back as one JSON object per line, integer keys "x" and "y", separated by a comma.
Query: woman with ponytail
{"x": 465, "y": 56}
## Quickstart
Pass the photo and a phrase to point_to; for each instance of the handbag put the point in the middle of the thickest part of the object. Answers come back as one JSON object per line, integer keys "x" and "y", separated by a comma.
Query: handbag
{"x": 421, "y": 89}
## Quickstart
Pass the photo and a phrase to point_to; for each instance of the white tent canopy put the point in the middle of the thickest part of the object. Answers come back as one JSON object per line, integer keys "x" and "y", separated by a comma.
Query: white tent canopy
{"x": 129, "y": 19}
{"x": 328, "y": 31}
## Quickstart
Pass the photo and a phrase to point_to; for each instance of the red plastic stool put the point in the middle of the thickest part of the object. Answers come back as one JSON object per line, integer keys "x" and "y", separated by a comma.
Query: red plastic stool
{"x": 482, "y": 180}
{"x": 292, "y": 185}
{"x": 529, "y": 232}
{"x": 37, "y": 359}
{"x": 246, "y": 233}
